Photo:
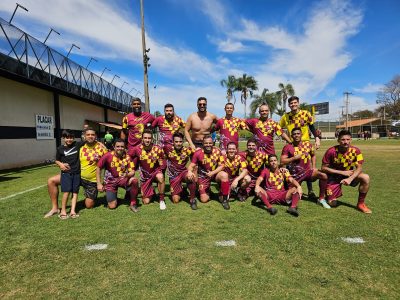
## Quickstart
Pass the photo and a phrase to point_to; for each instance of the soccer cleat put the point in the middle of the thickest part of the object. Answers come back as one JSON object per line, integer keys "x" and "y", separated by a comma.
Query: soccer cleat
{"x": 312, "y": 196}
{"x": 134, "y": 208}
{"x": 323, "y": 203}
{"x": 193, "y": 204}
{"x": 272, "y": 211}
{"x": 293, "y": 211}
{"x": 225, "y": 204}
{"x": 362, "y": 207}
{"x": 242, "y": 198}
{"x": 333, "y": 203}
{"x": 162, "y": 205}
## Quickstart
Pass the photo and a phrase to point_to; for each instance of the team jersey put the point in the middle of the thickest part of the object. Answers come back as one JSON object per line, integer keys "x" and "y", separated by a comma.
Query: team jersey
{"x": 302, "y": 119}
{"x": 116, "y": 167}
{"x": 177, "y": 160}
{"x": 274, "y": 181}
{"x": 255, "y": 164}
{"x": 235, "y": 166}
{"x": 149, "y": 161}
{"x": 264, "y": 133}
{"x": 167, "y": 129}
{"x": 89, "y": 156}
{"x": 343, "y": 161}
{"x": 135, "y": 126}
{"x": 298, "y": 167}
{"x": 229, "y": 130}
{"x": 207, "y": 162}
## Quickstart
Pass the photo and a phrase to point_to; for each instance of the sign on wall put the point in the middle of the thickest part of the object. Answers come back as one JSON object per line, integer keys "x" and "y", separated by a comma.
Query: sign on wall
{"x": 44, "y": 127}
{"x": 320, "y": 108}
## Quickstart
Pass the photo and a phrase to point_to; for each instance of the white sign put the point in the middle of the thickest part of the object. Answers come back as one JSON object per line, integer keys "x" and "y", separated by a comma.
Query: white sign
{"x": 44, "y": 127}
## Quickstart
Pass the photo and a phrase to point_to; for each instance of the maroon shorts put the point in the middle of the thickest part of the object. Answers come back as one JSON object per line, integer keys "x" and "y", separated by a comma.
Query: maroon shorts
{"x": 146, "y": 184}
{"x": 277, "y": 197}
{"x": 334, "y": 187}
{"x": 112, "y": 184}
{"x": 251, "y": 186}
{"x": 307, "y": 175}
{"x": 205, "y": 184}
{"x": 176, "y": 183}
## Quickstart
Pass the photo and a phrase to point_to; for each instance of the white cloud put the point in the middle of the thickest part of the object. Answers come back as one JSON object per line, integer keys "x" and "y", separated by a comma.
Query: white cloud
{"x": 369, "y": 88}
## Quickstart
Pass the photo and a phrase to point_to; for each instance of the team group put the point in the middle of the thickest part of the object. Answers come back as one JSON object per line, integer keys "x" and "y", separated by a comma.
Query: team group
{"x": 254, "y": 171}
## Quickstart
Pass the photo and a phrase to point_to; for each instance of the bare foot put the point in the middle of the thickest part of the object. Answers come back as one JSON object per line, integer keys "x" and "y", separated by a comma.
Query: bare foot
{"x": 52, "y": 213}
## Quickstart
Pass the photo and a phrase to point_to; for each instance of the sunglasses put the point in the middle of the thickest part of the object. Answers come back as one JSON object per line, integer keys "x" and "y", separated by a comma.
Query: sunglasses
{"x": 202, "y": 104}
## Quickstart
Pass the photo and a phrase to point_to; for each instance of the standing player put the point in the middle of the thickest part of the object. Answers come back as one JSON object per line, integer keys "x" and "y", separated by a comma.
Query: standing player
{"x": 177, "y": 158}
{"x": 134, "y": 123}
{"x": 264, "y": 129}
{"x": 168, "y": 124}
{"x": 236, "y": 168}
{"x": 299, "y": 157}
{"x": 228, "y": 128}
{"x": 151, "y": 161}
{"x": 210, "y": 163}
{"x": 199, "y": 124}
{"x": 120, "y": 173}
{"x": 274, "y": 191}
{"x": 343, "y": 164}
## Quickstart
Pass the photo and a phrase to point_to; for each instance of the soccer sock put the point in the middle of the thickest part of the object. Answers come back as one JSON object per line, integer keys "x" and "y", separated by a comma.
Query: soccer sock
{"x": 225, "y": 188}
{"x": 192, "y": 190}
{"x": 264, "y": 199}
{"x": 322, "y": 189}
{"x": 162, "y": 197}
{"x": 361, "y": 197}
{"x": 309, "y": 186}
{"x": 133, "y": 192}
{"x": 295, "y": 199}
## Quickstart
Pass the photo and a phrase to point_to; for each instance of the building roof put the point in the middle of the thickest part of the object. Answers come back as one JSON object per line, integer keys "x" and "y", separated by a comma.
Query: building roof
{"x": 356, "y": 123}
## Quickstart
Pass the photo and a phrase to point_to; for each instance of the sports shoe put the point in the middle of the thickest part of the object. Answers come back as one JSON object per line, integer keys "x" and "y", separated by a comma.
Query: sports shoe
{"x": 242, "y": 198}
{"x": 323, "y": 203}
{"x": 332, "y": 203}
{"x": 225, "y": 204}
{"x": 193, "y": 204}
{"x": 272, "y": 211}
{"x": 134, "y": 208}
{"x": 362, "y": 207}
{"x": 162, "y": 205}
{"x": 293, "y": 211}
{"x": 312, "y": 196}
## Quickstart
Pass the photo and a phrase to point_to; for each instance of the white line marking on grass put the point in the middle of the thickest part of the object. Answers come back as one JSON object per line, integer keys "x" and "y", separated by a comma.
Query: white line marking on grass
{"x": 96, "y": 247}
{"x": 229, "y": 243}
{"x": 355, "y": 240}
{"x": 20, "y": 193}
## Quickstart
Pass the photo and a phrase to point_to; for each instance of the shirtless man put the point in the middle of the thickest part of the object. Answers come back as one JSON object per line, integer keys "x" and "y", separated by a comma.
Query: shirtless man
{"x": 199, "y": 124}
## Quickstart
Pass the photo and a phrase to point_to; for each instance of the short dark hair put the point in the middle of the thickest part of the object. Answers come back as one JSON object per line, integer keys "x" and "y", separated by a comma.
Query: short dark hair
{"x": 136, "y": 99}
{"x": 229, "y": 103}
{"x": 66, "y": 133}
{"x": 343, "y": 132}
{"x": 177, "y": 134}
{"x": 119, "y": 141}
{"x": 89, "y": 129}
{"x": 207, "y": 136}
{"x": 168, "y": 105}
{"x": 231, "y": 143}
{"x": 201, "y": 98}
{"x": 271, "y": 156}
{"x": 295, "y": 129}
{"x": 251, "y": 140}
{"x": 292, "y": 99}
{"x": 147, "y": 130}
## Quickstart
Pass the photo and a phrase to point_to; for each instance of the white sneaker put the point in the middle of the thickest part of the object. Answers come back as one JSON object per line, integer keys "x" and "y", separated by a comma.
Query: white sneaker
{"x": 162, "y": 205}
{"x": 324, "y": 203}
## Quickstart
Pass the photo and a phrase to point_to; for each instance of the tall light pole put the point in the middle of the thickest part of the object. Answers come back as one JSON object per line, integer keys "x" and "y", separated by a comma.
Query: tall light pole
{"x": 73, "y": 45}
{"x": 15, "y": 10}
{"x": 51, "y": 30}
{"x": 347, "y": 108}
{"x": 105, "y": 68}
{"x": 91, "y": 61}
{"x": 145, "y": 63}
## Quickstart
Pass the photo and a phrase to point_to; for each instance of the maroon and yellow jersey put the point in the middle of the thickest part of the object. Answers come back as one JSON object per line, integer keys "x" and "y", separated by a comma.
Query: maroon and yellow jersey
{"x": 343, "y": 161}
{"x": 255, "y": 164}
{"x": 89, "y": 155}
{"x": 135, "y": 126}
{"x": 274, "y": 181}
{"x": 298, "y": 167}
{"x": 116, "y": 166}
{"x": 302, "y": 119}
{"x": 235, "y": 166}
{"x": 207, "y": 162}
{"x": 264, "y": 133}
{"x": 177, "y": 160}
{"x": 167, "y": 129}
{"x": 229, "y": 130}
{"x": 149, "y": 161}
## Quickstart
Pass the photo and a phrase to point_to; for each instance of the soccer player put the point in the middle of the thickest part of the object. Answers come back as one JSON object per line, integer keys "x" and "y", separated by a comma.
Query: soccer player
{"x": 273, "y": 190}
{"x": 264, "y": 129}
{"x": 228, "y": 128}
{"x": 168, "y": 124}
{"x": 151, "y": 160}
{"x": 343, "y": 164}
{"x": 236, "y": 168}
{"x": 199, "y": 124}
{"x": 134, "y": 123}
{"x": 210, "y": 163}
{"x": 299, "y": 158}
{"x": 120, "y": 173}
{"x": 177, "y": 158}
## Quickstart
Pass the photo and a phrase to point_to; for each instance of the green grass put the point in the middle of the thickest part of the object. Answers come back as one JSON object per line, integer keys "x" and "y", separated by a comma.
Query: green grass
{"x": 172, "y": 254}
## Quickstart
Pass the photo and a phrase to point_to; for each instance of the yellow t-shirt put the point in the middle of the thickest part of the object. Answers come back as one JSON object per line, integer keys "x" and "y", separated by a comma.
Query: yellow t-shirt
{"x": 302, "y": 119}
{"x": 89, "y": 156}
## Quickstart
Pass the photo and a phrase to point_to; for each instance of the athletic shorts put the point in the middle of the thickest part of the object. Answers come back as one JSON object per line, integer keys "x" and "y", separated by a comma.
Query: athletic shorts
{"x": 277, "y": 197}
{"x": 89, "y": 188}
{"x": 70, "y": 182}
{"x": 112, "y": 184}
{"x": 146, "y": 184}
{"x": 251, "y": 186}
{"x": 334, "y": 187}
{"x": 198, "y": 144}
{"x": 176, "y": 183}
{"x": 205, "y": 184}
{"x": 306, "y": 176}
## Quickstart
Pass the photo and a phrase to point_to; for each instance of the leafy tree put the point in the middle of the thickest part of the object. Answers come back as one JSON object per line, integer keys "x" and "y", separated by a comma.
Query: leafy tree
{"x": 280, "y": 111}
{"x": 271, "y": 99}
{"x": 230, "y": 84}
{"x": 305, "y": 106}
{"x": 157, "y": 113}
{"x": 246, "y": 85}
{"x": 284, "y": 92}
{"x": 389, "y": 98}
{"x": 363, "y": 114}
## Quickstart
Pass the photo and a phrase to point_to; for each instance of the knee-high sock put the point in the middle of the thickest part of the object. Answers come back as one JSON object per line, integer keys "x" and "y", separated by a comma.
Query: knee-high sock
{"x": 295, "y": 199}
{"x": 225, "y": 188}
{"x": 192, "y": 190}
{"x": 133, "y": 192}
{"x": 322, "y": 189}
{"x": 361, "y": 197}
{"x": 309, "y": 186}
{"x": 264, "y": 199}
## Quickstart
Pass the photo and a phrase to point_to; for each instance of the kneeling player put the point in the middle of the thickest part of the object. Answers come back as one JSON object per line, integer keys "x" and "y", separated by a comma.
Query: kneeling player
{"x": 343, "y": 164}
{"x": 120, "y": 173}
{"x": 274, "y": 191}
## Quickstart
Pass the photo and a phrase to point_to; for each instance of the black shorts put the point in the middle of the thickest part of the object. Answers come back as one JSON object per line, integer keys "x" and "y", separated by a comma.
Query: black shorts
{"x": 70, "y": 182}
{"x": 198, "y": 144}
{"x": 90, "y": 189}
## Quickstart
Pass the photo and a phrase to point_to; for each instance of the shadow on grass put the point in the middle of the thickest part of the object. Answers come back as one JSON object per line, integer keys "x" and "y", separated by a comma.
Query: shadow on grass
{"x": 3, "y": 179}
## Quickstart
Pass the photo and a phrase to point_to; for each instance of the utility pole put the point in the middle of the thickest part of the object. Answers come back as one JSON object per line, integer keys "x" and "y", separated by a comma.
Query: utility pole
{"x": 145, "y": 63}
{"x": 347, "y": 108}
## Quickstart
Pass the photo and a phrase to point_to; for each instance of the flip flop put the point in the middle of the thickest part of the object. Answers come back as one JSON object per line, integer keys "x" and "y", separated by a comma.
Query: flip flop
{"x": 63, "y": 217}
{"x": 74, "y": 216}
{"x": 51, "y": 213}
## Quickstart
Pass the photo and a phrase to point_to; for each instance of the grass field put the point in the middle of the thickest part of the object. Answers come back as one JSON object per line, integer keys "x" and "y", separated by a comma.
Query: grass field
{"x": 173, "y": 254}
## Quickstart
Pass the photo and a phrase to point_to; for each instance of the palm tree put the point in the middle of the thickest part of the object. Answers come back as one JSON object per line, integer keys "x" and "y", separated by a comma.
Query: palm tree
{"x": 265, "y": 98}
{"x": 246, "y": 85}
{"x": 284, "y": 92}
{"x": 305, "y": 106}
{"x": 280, "y": 111}
{"x": 230, "y": 84}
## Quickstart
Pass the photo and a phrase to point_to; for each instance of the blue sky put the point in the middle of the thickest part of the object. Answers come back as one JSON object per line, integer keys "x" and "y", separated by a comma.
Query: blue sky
{"x": 322, "y": 48}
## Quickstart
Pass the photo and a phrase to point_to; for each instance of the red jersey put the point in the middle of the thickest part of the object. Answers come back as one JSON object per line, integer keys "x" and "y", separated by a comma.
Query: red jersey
{"x": 135, "y": 126}
{"x": 177, "y": 160}
{"x": 235, "y": 166}
{"x": 255, "y": 164}
{"x": 264, "y": 133}
{"x": 149, "y": 161}
{"x": 167, "y": 129}
{"x": 274, "y": 181}
{"x": 207, "y": 162}
{"x": 299, "y": 167}
{"x": 343, "y": 161}
{"x": 116, "y": 166}
{"x": 229, "y": 130}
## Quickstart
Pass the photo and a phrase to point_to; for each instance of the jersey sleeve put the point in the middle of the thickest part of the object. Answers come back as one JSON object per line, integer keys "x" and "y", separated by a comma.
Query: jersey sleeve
{"x": 309, "y": 118}
{"x": 155, "y": 123}
{"x": 242, "y": 124}
{"x": 326, "y": 160}
{"x": 283, "y": 121}
{"x": 243, "y": 164}
{"x": 102, "y": 162}
{"x": 278, "y": 129}
{"x": 359, "y": 157}
{"x": 130, "y": 167}
{"x": 217, "y": 125}
{"x": 286, "y": 150}
{"x": 125, "y": 122}
{"x": 196, "y": 157}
